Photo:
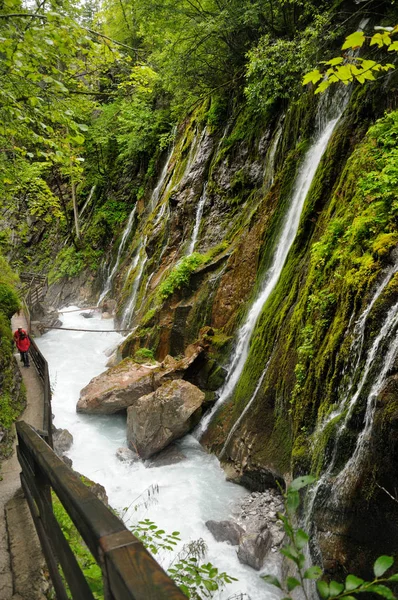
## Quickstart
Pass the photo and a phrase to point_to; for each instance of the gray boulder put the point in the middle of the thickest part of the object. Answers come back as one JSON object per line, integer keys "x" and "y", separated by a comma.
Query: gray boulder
{"x": 62, "y": 441}
{"x": 225, "y": 531}
{"x": 159, "y": 418}
{"x": 253, "y": 548}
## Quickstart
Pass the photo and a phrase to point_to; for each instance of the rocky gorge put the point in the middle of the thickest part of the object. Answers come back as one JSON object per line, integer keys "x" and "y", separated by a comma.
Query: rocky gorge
{"x": 254, "y": 278}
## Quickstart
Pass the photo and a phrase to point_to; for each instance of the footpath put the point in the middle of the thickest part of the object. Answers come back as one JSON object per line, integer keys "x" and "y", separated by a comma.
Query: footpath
{"x": 21, "y": 561}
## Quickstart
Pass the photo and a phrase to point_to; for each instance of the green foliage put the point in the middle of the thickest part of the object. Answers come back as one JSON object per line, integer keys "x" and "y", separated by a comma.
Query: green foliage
{"x": 154, "y": 538}
{"x": 9, "y": 301}
{"x": 350, "y": 67}
{"x": 276, "y": 64}
{"x": 197, "y": 580}
{"x": 180, "y": 275}
{"x": 293, "y": 551}
{"x": 144, "y": 355}
{"x": 85, "y": 559}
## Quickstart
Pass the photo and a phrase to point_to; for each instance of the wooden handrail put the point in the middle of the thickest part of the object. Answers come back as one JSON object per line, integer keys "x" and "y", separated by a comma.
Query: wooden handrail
{"x": 42, "y": 370}
{"x": 129, "y": 571}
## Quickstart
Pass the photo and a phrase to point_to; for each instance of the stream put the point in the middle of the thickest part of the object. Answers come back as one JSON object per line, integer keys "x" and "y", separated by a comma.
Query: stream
{"x": 190, "y": 492}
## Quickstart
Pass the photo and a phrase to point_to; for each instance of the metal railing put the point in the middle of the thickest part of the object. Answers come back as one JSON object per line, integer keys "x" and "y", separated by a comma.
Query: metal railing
{"x": 128, "y": 570}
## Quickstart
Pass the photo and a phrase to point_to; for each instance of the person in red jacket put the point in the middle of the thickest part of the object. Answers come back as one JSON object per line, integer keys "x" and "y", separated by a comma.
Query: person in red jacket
{"x": 22, "y": 341}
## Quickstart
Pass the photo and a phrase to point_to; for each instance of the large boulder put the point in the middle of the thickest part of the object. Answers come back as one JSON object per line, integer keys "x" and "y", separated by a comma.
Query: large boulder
{"x": 157, "y": 419}
{"x": 117, "y": 388}
{"x": 226, "y": 531}
{"x": 253, "y": 548}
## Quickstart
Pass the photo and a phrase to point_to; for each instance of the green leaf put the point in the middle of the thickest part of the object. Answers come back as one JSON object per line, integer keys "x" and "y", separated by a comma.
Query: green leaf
{"x": 381, "y": 590}
{"x": 355, "y": 40}
{"x": 323, "y": 589}
{"x": 335, "y": 588}
{"x": 301, "y": 539}
{"x": 292, "y": 501}
{"x": 352, "y": 583}
{"x": 393, "y": 577}
{"x": 301, "y": 482}
{"x": 312, "y": 77}
{"x": 292, "y": 583}
{"x": 335, "y": 61}
{"x": 271, "y": 579}
{"x": 393, "y": 46}
{"x": 313, "y": 572}
{"x": 382, "y": 564}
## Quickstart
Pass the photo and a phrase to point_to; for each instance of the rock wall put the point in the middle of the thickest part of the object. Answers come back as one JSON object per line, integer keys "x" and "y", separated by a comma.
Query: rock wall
{"x": 242, "y": 172}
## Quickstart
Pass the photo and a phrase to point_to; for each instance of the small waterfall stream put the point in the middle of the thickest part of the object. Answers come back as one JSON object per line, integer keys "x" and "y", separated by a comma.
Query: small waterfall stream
{"x": 126, "y": 233}
{"x": 350, "y": 394}
{"x": 141, "y": 259}
{"x": 198, "y": 220}
{"x": 190, "y": 492}
{"x": 283, "y": 245}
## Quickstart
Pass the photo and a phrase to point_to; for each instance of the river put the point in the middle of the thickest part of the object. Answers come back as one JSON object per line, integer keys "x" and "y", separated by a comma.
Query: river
{"x": 190, "y": 492}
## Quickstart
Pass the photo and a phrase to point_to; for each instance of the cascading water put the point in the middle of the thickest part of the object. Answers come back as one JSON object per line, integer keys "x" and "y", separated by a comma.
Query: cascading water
{"x": 126, "y": 233}
{"x": 142, "y": 258}
{"x": 348, "y": 402}
{"x": 283, "y": 245}
{"x": 248, "y": 405}
{"x": 198, "y": 219}
{"x": 269, "y": 172}
{"x": 190, "y": 492}
{"x": 389, "y": 330}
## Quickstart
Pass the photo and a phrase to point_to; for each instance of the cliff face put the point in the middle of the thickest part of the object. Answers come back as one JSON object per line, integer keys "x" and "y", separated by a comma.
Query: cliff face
{"x": 199, "y": 254}
{"x": 304, "y": 316}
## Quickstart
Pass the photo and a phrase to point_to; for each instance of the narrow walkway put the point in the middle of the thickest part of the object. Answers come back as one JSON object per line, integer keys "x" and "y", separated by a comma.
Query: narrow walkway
{"x": 21, "y": 561}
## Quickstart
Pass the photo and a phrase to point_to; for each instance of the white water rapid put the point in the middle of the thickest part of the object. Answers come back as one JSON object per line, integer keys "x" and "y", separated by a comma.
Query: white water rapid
{"x": 283, "y": 245}
{"x": 198, "y": 219}
{"x": 126, "y": 233}
{"x": 190, "y": 492}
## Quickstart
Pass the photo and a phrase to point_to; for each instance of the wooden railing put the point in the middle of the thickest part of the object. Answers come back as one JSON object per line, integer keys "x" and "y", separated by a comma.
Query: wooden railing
{"x": 42, "y": 370}
{"x": 129, "y": 572}
{"x": 34, "y": 287}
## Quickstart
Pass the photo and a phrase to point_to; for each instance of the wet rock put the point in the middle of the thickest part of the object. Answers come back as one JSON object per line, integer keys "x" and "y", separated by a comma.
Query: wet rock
{"x": 157, "y": 419}
{"x": 120, "y": 386}
{"x": 225, "y": 531}
{"x": 117, "y": 388}
{"x": 254, "y": 547}
{"x": 127, "y": 455}
{"x": 170, "y": 456}
{"x": 62, "y": 440}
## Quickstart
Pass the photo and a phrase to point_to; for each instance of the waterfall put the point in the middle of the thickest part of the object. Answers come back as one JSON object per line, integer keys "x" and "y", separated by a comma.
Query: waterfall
{"x": 269, "y": 172}
{"x": 348, "y": 403}
{"x": 238, "y": 422}
{"x": 126, "y": 233}
{"x": 128, "y": 311}
{"x": 198, "y": 219}
{"x": 356, "y": 353}
{"x": 286, "y": 237}
{"x": 389, "y": 327}
{"x": 163, "y": 176}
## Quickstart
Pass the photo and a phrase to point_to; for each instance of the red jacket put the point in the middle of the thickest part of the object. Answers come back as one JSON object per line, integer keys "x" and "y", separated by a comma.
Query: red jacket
{"x": 22, "y": 340}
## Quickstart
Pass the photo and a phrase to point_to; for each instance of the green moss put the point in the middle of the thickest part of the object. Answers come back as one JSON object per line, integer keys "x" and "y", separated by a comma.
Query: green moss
{"x": 144, "y": 355}
{"x": 180, "y": 275}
